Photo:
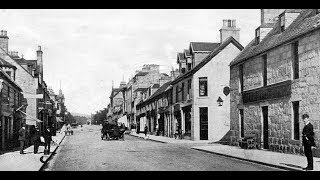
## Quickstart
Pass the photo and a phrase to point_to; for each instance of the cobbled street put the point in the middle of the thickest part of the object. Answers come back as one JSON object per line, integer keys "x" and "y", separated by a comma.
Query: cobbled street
{"x": 85, "y": 151}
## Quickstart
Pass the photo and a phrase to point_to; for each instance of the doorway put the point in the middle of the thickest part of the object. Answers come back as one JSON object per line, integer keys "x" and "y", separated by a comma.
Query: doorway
{"x": 203, "y": 123}
{"x": 241, "y": 123}
{"x": 265, "y": 127}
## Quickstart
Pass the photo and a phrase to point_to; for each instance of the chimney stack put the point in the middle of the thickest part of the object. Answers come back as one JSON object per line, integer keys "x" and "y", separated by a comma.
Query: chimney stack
{"x": 4, "y": 40}
{"x": 228, "y": 29}
{"x": 40, "y": 63}
{"x": 270, "y": 15}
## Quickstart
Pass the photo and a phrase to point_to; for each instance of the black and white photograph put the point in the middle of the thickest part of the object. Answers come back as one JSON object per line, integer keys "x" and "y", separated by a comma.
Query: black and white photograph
{"x": 159, "y": 90}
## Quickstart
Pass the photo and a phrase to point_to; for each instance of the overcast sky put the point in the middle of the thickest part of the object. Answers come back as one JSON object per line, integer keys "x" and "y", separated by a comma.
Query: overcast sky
{"x": 87, "y": 49}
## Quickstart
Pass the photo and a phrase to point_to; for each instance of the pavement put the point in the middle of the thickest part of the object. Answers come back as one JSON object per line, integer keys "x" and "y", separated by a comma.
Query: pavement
{"x": 291, "y": 162}
{"x": 14, "y": 161}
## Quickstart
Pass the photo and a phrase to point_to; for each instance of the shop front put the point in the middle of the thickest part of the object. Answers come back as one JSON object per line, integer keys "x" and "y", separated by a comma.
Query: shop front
{"x": 187, "y": 121}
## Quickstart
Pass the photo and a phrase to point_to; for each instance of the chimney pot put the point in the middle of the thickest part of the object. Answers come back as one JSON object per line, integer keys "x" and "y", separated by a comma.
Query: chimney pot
{"x": 39, "y": 48}
{"x": 5, "y": 33}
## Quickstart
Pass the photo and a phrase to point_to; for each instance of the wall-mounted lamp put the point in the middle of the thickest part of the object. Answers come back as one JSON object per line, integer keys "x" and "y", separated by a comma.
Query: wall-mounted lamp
{"x": 220, "y": 101}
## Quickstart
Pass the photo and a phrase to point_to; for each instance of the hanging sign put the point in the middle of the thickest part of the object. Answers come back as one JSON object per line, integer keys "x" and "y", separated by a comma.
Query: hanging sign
{"x": 226, "y": 90}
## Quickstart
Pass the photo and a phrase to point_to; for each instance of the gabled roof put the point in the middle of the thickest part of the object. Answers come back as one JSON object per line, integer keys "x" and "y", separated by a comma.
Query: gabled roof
{"x": 203, "y": 46}
{"x": 304, "y": 23}
{"x": 208, "y": 58}
{"x": 161, "y": 90}
{"x": 6, "y": 64}
{"x": 180, "y": 56}
{"x": 187, "y": 53}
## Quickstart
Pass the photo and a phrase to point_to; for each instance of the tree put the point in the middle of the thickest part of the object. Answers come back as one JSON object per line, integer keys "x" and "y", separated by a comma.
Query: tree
{"x": 100, "y": 116}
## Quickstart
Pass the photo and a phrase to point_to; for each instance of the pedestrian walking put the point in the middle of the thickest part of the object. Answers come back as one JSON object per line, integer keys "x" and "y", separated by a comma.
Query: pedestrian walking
{"x": 36, "y": 140}
{"x": 47, "y": 140}
{"x": 22, "y": 138}
{"x": 145, "y": 130}
{"x": 69, "y": 129}
{"x": 308, "y": 141}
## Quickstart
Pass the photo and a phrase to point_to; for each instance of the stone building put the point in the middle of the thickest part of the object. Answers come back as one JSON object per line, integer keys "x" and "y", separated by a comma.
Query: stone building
{"x": 155, "y": 111}
{"x": 29, "y": 76}
{"x": 196, "y": 90}
{"x": 116, "y": 103}
{"x": 275, "y": 80}
{"x": 148, "y": 75}
{"x": 11, "y": 101}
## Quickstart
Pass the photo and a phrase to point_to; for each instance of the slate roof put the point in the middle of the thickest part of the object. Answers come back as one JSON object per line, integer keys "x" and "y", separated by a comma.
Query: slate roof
{"x": 141, "y": 73}
{"x": 203, "y": 46}
{"x": 156, "y": 86}
{"x": 6, "y": 64}
{"x": 303, "y": 24}
{"x": 208, "y": 58}
{"x": 24, "y": 61}
{"x": 141, "y": 89}
{"x": 161, "y": 90}
{"x": 187, "y": 53}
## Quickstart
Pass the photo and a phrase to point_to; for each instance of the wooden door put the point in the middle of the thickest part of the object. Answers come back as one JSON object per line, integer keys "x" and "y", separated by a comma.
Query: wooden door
{"x": 203, "y": 123}
{"x": 265, "y": 127}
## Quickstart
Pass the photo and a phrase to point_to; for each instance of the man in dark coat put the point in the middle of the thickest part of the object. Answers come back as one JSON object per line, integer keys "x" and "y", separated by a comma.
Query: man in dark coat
{"x": 36, "y": 140}
{"x": 22, "y": 138}
{"x": 145, "y": 130}
{"x": 308, "y": 141}
{"x": 47, "y": 140}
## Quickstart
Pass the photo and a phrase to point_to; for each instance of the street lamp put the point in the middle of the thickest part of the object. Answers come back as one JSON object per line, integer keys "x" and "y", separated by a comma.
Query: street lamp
{"x": 220, "y": 101}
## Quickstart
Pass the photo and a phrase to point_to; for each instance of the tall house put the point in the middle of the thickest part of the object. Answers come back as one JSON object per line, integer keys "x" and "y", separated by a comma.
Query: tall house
{"x": 195, "y": 92}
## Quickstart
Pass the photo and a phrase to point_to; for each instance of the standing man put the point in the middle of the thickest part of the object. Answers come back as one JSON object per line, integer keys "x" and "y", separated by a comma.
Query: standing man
{"x": 36, "y": 140}
{"x": 22, "y": 138}
{"x": 47, "y": 140}
{"x": 145, "y": 130}
{"x": 308, "y": 141}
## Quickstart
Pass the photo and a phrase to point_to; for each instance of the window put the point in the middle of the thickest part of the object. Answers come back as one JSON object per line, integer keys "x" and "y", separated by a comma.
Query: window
{"x": 203, "y": 86}
{"x": 229, "y": 23}
{"x": 189, "y": 66}
{"x": 282, "y": 22}
{"x": 182, "y": 91}
{"x": 257, "y": 35}
{"x": 295, "y": 106}
{"x": 264, "y": 58}
{"x": 295, "y": 60}
{"x": 189, "y": 86}
{"x": 177, "y": 93}
{"x": 241, "y": 77}
{"x": 183, "y": 70}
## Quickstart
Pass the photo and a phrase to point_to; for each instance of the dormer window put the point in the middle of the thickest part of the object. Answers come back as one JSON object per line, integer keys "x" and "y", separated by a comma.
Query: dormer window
{"x": 282, "y": 22}
{"x": 257, "y": 35}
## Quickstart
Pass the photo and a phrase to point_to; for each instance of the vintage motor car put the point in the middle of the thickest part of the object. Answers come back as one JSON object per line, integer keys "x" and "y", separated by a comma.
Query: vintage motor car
{"x": 111, "y": 131}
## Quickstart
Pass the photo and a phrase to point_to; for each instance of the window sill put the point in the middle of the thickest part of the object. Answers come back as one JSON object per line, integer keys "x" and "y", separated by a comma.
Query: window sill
{"x": 203, "y": 97}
